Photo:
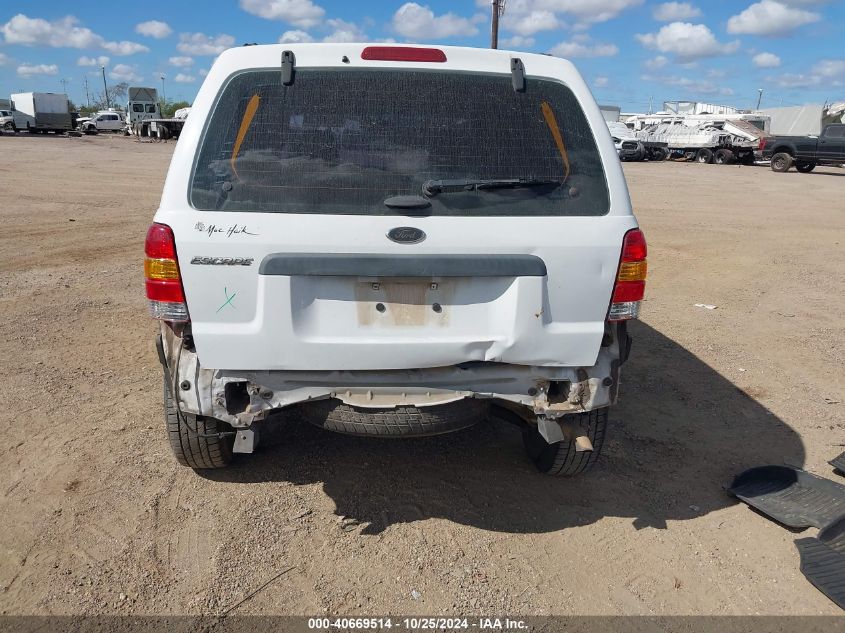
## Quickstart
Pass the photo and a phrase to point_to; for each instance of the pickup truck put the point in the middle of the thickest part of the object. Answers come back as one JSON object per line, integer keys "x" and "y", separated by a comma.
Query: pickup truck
{"x": 805, "y": 152}
{"x": 393, "y": 241}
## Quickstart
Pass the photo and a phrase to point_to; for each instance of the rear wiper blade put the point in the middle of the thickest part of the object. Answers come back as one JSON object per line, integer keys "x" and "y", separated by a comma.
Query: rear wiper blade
{"x": 433, "y": 187}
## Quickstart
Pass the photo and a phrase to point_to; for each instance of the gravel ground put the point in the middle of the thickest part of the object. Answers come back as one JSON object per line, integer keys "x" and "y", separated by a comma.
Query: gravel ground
{"x": 97, "y": 517}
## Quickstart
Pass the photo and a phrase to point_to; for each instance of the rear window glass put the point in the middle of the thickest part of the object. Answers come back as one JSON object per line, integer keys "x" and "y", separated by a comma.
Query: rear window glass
{"x": 345, "y": 141}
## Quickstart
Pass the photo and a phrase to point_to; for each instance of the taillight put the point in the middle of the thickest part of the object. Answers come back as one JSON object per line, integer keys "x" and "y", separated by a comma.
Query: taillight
{"x": 403, "y": 54}
{"x": 161, "y": 273}
{"x": 629, "y": 288}
{"x": 762, "y": 145}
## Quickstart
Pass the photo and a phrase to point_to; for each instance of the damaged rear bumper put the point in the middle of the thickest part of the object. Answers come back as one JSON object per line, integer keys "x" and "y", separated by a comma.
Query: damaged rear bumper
{"x": 244, "y": 397}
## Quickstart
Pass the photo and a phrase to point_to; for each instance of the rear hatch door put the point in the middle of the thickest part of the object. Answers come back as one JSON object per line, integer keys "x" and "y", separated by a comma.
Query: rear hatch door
{"x": 389, "y": 215}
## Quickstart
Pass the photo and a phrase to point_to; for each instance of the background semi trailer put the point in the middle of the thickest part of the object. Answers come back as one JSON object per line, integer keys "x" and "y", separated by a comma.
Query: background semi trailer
{"x": 705, "y": 138}
{"x": 42, "y": 112}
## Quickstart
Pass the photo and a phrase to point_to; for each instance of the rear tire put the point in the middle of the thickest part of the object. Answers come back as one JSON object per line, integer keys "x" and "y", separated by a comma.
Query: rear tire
{"x": 561, "y": 459}
{"x": 781, "y": 162}
{"x": 186, "y": 434}
{"x": 9, "y": 126}
{"x": 334, "y": 415}
{"x": 704, "y": 156}
{"x": 724, "y": 157}
{"x": 805, "y": 168}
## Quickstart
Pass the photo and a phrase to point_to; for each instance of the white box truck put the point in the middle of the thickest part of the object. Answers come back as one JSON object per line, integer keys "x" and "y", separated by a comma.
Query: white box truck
{"x": 41, "y": 112}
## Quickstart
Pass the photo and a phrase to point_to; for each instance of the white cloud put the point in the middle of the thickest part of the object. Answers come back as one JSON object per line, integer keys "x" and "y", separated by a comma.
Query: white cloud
{"x": 517, "y": 42}
{"x": 584, "y": 11}
{"x": 830, "y": 68}
{"x": 302, "y": 13}
{"x": 687, "y": 41}
{"x": 601, "y": 82}
{"x": 62, "y": 33}
{"x": 181, "y": 61}
{"x": 182, "y": 78}
{"x": 38, "y": 32}
{"x": 344, "y": 32}
{"x": 125, "y": 48}
{"x": 530, "y": 23}
{"x": 203, "y": 72}
{"x": 295, "y": 37}
{"x": 675, "y": 11}
{"x": 584, "y": 49}
{"x": 769, "y": 17}
{"x": 826, "y": 72}
{"x": 766, "y": 60}
{"x": 796, "y": 80}
{"x": 28, "y": 70}
{"x": 691, "y": 86}
{"x": 657, "y": 62}
{"x": 417, "y": 22}
{"x": 202, "y": 44}
{"x": 125, "y": 72}
{"x": 102, "y": 60}
{"x": 154, "y": 29}
{"x": 5, "y": 60}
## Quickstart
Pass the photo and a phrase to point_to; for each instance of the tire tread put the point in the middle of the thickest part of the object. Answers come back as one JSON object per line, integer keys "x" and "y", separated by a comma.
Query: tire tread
{"x": 190, "y": 449}
{"x": 561, "y": 459}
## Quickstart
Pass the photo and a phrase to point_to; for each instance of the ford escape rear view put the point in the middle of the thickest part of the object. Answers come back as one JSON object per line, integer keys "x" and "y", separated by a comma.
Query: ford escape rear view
{"x": 393, "y": 241}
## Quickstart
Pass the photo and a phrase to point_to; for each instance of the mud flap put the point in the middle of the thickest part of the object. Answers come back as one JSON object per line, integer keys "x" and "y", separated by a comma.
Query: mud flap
{"x": 838, "y": 463}
{"x": 823, "y": 561}
{"x": 790, "y": 496}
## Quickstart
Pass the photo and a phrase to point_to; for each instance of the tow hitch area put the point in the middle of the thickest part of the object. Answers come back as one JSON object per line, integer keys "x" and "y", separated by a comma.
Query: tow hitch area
{"x": 242, "y": 398}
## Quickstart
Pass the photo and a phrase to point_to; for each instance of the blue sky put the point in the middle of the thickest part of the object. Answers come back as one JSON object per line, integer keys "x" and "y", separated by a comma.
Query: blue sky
{"x": 630, "y": 51}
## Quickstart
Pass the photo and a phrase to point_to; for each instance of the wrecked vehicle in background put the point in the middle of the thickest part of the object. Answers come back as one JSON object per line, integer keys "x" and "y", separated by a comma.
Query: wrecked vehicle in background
{"x": 705, "y": 138}
{"x": 391, "y": 241}
{"x": 630, "y": 148}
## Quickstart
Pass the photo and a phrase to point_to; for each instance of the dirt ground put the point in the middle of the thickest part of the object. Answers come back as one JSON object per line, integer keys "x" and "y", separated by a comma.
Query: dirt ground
{"x": 97, "y": 517}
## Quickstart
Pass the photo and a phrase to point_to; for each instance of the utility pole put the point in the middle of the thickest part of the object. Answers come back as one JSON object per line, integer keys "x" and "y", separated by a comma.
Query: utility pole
{"x": 651, "y": 104}
{"x": 163, "y": 97}
{"x": 498, "y": 9}
{"x": 64, "y": 85}
{"x": 759, "y": 97}
{"x": 87, "y": 94}
{"x": 105, "y": 88}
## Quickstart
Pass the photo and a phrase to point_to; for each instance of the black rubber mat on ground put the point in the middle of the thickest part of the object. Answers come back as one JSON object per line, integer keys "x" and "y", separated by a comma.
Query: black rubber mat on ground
{"x": 823, "y": 561}
{"x": 790, "y": 496}
{"x": 838, "y": 463}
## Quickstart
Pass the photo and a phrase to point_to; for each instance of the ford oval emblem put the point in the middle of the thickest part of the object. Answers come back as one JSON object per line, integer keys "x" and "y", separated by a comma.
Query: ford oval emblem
{"x": 406, "y": 235}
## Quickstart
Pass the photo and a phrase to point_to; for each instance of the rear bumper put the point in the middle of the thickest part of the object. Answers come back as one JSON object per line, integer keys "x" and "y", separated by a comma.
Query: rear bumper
{"x": 244, "y": 397}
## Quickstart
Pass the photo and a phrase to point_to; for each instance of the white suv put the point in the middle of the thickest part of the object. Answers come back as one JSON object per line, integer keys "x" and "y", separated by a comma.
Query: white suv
{"x": 393, "y": 241}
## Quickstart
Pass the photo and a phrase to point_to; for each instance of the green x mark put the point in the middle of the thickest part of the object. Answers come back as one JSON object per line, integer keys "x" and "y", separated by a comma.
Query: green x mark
{"x": 228, "y": 299}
